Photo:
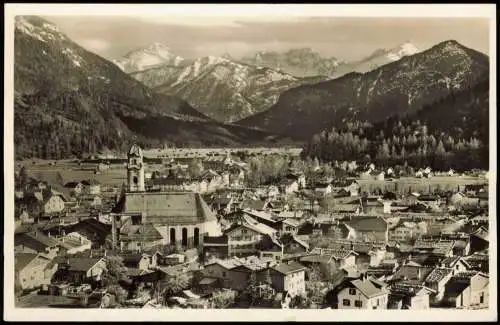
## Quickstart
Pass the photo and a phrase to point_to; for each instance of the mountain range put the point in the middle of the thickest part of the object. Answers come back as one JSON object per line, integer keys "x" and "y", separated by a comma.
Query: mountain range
{"x": 219, "y": 87}
{"x": 69, "y": 100}
{"x": 400, "y": 87}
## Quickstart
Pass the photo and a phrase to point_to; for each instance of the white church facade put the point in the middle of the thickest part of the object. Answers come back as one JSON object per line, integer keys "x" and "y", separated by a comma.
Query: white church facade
{"x": 142, "y": 219}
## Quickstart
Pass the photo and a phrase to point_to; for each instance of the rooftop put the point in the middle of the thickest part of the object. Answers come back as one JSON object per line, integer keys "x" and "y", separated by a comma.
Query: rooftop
{"x": 166, "y": 207}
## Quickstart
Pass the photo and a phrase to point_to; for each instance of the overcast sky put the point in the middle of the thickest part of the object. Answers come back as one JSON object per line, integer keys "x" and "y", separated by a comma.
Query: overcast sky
{"x": 344, "y": 38}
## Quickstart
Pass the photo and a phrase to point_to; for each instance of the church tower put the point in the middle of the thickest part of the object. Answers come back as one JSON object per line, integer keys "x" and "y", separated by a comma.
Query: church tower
{"x": 135, "y": 169}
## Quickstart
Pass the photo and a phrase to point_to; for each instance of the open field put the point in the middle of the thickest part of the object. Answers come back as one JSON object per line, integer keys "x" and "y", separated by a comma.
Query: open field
{"x": 423, "y": 185}
{"x": 198, "y": 152}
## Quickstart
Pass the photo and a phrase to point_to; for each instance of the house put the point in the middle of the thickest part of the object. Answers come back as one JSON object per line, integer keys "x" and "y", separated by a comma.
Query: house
{"x": 286, "y": 277}
{"x": 52, "y": 202}
{"x": 75, "y": 188}
{"x": 377, "y": 175}
{"x": 258, "y": 205}
{"x": 350, "y": 190}
{"x": 293, "y": 245}
{"x": 297, "y": 176}
{"x": 478, "y": 261}
{"x": 336, "y": 258}
{"x": 290, "y": 226}
{"x": 440, "y": 247}
{"x": 411, "y": 274}
{"x": 323, "y": 189}
{"x": 436, "y": 280}
{"x": 270, "y": 247}
{"x": 79, "y": 270}
{"x": 92, "y": 229}
{"x": 407, "y": 231}
{"x": 32, "y": 270}
{"x": 91, "y": 200}
{"x": 222, "y": 204}
{"x": 404, "y": 296}
{"x": 215, "y": 247}
{"x": 479, "y": 240}
{"x": 245, "y": 236}
{"x": 91, "y": 187}
{"x": 74, "y": 243}
{"x": 368, "y": 228}
{"x": 467, "y": 289}
{"x": 457, "y": 264}
{"x": 36, "y": 242}
{"x": 138, "y": 264}
{"x": 272, "y": 191}
{"x": 289, "y": 186}
{"x": 362, "y": 293}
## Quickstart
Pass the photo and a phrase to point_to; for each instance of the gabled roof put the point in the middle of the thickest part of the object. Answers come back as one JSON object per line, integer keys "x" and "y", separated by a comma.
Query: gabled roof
{"x": 35, "y": 240}
{"x": 172, "y": 207}
{"x": 79, "y": 264}
{"x": 412, "y": 274}
{"x": 292, "y": 222}
{"x": 253, "y": 204}
{"x": 23, "y": 259}
{"x": 363, "y": 223}
{"x": 287, "y": 268}
{"x": 252, "y": 224}
{"x": 132, "y": 259}
{"x": 438, "y": 274}
{"x": 367, "y": 288}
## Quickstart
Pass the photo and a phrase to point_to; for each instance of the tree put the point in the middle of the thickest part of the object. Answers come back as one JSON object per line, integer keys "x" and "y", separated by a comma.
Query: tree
{"x": 172, "y": 285}
{"x": 116, "y": 271}
{"x": 23, "y": 177}
{"x": 223, "y": 299}
{"x": 300, "y": 302}
{"x": 195, "y": 168}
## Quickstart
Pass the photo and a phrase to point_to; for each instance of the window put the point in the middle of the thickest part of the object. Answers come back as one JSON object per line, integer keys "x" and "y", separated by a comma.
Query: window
{"x": 196, "y": 236}
{"x": 172, "y": 235}
{"x": 224, "y": 274}
{"x": 184, "y": 237}
{"x": 243, "y": 231}
{"x": 352, "y": 291}
{"x": 358, "y": 303}
{"x": 346, "y": 302}
{"x": 136, "y": 180}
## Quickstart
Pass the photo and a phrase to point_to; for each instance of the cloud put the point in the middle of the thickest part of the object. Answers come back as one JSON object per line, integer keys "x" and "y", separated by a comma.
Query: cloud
{"x": 94, "y": 44}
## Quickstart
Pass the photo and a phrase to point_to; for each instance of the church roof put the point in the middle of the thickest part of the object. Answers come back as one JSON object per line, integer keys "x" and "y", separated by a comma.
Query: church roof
{"x": 135, "y": 150}
{"x": 166, "y": 207}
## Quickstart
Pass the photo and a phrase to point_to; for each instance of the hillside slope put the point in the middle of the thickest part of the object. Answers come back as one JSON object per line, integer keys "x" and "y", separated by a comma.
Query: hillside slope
{"x": 401, "y": 87}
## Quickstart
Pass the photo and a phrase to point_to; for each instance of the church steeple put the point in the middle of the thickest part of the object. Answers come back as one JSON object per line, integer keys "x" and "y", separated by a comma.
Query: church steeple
{"x": 135, "y": 169}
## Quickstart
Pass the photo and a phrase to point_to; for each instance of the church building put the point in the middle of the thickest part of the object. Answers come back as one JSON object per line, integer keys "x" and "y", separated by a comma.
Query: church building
{"x": 142, "y": 220}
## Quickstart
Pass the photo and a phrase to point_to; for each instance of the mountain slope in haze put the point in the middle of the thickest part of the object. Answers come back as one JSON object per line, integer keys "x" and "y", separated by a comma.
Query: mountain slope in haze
{"x": 219, "y": 87}
{"x": 452, "y": 132}
{"x": 401, "y": 87}
{"x": 69, "y": 101}
{"x": 148, "y": 57}
{"x": 302, "y": 62}
{"x": 377, "y": 59}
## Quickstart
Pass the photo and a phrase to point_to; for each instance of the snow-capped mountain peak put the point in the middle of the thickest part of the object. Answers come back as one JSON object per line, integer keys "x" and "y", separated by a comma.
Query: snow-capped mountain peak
{"x": 405, "y": 49}
{"x": 148, "y": 57}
